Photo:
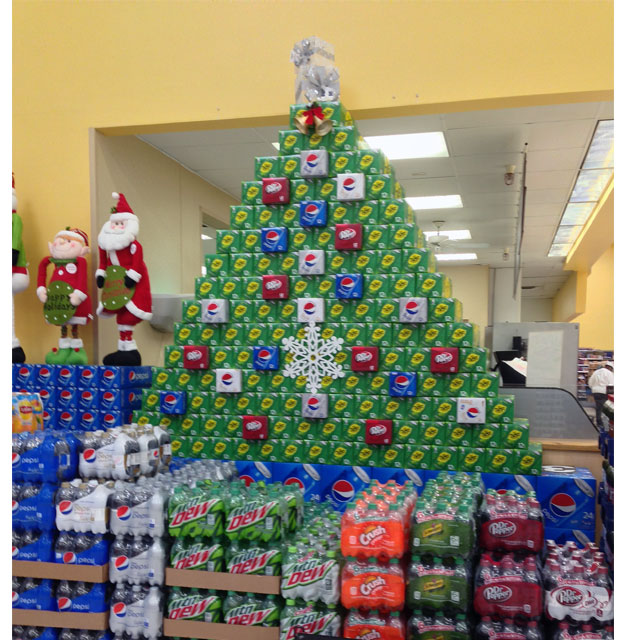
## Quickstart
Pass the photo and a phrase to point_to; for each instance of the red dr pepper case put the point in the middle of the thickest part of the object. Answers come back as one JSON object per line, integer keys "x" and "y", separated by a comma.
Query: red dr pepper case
{"x": 348, "y": 237}
{"x": 444, "y": 359}
{"x": 275, "y": 287}
{"x": 275, "y": 190}
{"x": 195, "y": 357}
{"x": 364, "y": 358}
{"x": 255, "y": 427}
{"x": 378, "y": 431}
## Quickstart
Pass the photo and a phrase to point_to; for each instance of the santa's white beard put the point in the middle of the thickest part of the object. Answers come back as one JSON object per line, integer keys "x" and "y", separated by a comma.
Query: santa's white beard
{"x": 111, "y": 240}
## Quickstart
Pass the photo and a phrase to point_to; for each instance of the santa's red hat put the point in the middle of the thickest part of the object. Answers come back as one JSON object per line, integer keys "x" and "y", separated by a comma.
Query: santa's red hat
{"x": 122, "y": 210}
{"x": 76, "y": 234}
{"x": 13, "y": 193}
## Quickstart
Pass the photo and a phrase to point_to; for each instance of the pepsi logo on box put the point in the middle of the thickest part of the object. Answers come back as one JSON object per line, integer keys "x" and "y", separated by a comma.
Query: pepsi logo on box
{"x": 340, "y": 483}
{"x": 403, "y": 384}
{"x": 67, "y": 398}
{"x": 250, "y": 472}
{"x": 88, "y": 377}
{"x": 275, "y": 190}
{"x": 111, "y": 419}
{"x": 124, "y": 377}
{"x": 214, "y": 310}
{"x": 567, "y": 497}
{"x": 310, "y": 309}
{"x": 364, "y": 358}
{"x": 315, "y": 405}
{"x": 351, "y": 186}
{"x": 173, "y": 402}
{"x": 266, "y": 358}
{"x": 228, "y": 380}
{"x": 313, "y": 213}
{"x": 21, "y": 375}
{"x": 472, "y": 410}
{"x": 314, "y": 163}
{"x": 444, "y": 359}
{"x": 255, "y": 427}
{"x": 349, "y": 286}
{"x": 413, "y": 310}
{"x": 348, "y": 236}
{"x": 311, "y": 262}
{"x": 65, "y": 376}
{"x": 378, "y": 431}
{"x": 274, "y": 239}
{"x": 195, "y": 357}
{"x": 275, "y": 287}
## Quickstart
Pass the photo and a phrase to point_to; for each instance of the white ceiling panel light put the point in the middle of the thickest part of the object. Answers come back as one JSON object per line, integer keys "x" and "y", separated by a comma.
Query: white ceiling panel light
{"x": 420, "y": 203}
{"x": 460, "y": 234}
{"x": 406, "y": 146}
{"x": 593, "y": 178}
{"x": 204, "y": 236}
{"x": 445, "y": 257}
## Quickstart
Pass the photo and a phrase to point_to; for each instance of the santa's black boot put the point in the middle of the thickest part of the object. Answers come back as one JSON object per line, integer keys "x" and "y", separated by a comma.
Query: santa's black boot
{"x": 127, "y": 355}
{"x": 17, "y": 355}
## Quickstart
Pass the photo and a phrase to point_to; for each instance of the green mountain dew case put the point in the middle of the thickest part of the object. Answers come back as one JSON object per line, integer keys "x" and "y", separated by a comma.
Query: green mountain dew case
{"x": 418, "y": 456}
{"x": 193, "y": 605}
{"x": 251, "y": 610}
{"x": 487, "y": 436}
{"x": 368, "y": 212}
{"x": 366, "y": 455}
{"x": 198, "y": 554}
{"x": 292, "y": 142}
{"x": 341, "y": 162}
{"x": 266, "y": 167}
{"x": 462, "y": 334}
{"x": 432, "y": 285}
{"x": 528, "y": 461}
{"x": 290, "y": 167}
{"x": 341, "y": 213}
{"x": 251, "y": 194}
{"x": 196, "y": 515}
{"x": 485, "y": 385}
{"x": 472, "y": 459}
{"x": 434, "y": 335}
{"x": 434, "y": 433}
{"x": 500, "y": 461}
{"x": 445, "y": 458}
{"x": 459, "y": 435}
{"x": 218, "y": 264}
{"x": 370, "y": 162}
{"x": 257, "y": 519}
{"x": 516, "y": 435}
{"x": 254, "y": 558}
{"x": 458, "y": 385}
{"x": 444, "y": 310}
{"x": 472, "y": 360}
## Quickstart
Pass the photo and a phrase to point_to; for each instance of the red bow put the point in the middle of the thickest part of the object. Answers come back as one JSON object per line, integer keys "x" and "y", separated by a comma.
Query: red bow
{"x": 311, "y": 113}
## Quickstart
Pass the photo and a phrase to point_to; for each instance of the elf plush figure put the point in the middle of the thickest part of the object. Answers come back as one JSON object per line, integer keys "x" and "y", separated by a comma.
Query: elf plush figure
{"x": 131, "y": 302}
{"x": 19, "y": 273}
{"x": 66, "y": 298}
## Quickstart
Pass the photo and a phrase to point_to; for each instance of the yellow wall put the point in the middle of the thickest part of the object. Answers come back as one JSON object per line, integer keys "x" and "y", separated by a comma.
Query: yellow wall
{"x": 78, "y": 65}
{"x": 471, "y": 286}
{"x": 169, "y": 201}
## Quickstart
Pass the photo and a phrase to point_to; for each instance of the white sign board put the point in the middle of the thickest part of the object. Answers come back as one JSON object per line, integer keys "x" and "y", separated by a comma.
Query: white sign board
{"x": 544, "y": 359}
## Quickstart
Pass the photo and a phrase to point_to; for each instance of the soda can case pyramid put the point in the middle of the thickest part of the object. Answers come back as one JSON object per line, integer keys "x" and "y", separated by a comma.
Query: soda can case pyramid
{"x": 324, "y": 235}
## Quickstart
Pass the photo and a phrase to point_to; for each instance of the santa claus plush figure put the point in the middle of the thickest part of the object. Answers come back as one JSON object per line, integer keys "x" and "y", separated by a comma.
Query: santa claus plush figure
{"x": 71, "y": 305}
{"x": 19, "y": 273}
{"x": 119, "y": 247}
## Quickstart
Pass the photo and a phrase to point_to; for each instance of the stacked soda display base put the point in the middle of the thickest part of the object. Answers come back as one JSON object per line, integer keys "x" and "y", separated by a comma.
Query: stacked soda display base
{"x": 578, "y": 592}
{"x": 508, "y": 586}
{"x": 322, "y": 334}
{"x": 83, "y": 398}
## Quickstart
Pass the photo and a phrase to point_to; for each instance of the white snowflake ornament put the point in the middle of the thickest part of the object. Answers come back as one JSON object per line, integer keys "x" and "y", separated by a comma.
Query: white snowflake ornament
{"x": 313, "y": 357}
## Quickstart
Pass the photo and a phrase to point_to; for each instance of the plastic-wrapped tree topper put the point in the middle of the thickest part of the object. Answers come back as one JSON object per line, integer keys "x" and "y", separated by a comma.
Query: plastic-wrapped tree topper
{"x": 316, "y": 75}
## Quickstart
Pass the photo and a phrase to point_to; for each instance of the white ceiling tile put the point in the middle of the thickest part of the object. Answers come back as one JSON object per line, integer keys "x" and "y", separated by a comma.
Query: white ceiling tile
{"x": 466, "y": 142}
{"x": 547, "y": 196}
{"x": 551, "y": 179}
{"x": 201, "y": 138}
{"x": 484, "y": 164}
{"x": 424, "y": 168}
{"x": 431, "y": 186}
{"x": 568, "y": 159}
{"x": 488, "y": 183}
{"x": 560, "y": 135}
{"x": 539, "y": 222}
{"x": 605, "y": 111}
{"x": 536, "y": 210}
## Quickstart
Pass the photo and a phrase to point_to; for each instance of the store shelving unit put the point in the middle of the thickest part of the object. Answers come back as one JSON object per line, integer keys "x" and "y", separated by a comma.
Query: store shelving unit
{"x": 588, "y": 361}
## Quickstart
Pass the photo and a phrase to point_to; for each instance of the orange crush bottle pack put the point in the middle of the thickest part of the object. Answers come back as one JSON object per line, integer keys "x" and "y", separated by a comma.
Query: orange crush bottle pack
{"x": 373, "y": 585}
{"x": 373, "y": 625}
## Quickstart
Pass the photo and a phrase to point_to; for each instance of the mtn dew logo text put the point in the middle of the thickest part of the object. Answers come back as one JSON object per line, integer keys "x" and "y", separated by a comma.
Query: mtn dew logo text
{"x": 254, "y": 521}
{"x": 194, "y": 607}
{"x": 253, "y": 615}
{"x": 305, "y": 572}
{"x": 258, "y": 561}
{"x": 308, "y": 621}
{"x": 199, "y": 556}
{"x": 196, "y": 516}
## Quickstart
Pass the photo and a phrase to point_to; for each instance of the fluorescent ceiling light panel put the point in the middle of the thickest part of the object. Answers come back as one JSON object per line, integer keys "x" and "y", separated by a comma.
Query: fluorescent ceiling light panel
{"x": 276, "y": 145}
{"x": 600, "y": 154}
{"x": 204, "y": 236}
{"x": 460, "y": 234}
{"x": 455, "y": 256}
{"x": 420, "y": 203}
{"x": 567, "y": 235}
{"x": 590, "y": 185}
{"x": 576, "y": 213}
{"x": 405, "y": 146}
{"x": 559, "y": 250}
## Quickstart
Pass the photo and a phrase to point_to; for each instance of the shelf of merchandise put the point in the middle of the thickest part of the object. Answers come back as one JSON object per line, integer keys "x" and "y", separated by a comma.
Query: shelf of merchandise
{"x": 584, "y": 368}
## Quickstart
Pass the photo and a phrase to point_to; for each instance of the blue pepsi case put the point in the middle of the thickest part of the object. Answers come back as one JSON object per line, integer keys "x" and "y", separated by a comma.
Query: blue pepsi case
{"x": 36, "y": 546}
{"x": 87, "y": 399}
{"x": 67, "y": 399}
{"x": 65, "y": 377}
{"x": 124, "y": 377}
{"x": 266, "y": 358}
{"x": 567, "y": 497}
{"x": 173, "y": 402}
{"x": 48, "y": 456}
{"x": 503, "y": 482}
{"x": 349, "y": 286}
{"x": 67, "y": 419}
{"x": 88, "y": 377}
{"x": 403, "y": 384}
{"x": 35, "y": 593}
{"x": 86, "y": 597}
{"x": 306, "y": 476}
{"x": 561, "y": 536}
{"x": 274, "y": 239}
{"x": 341, "y": 483}
{"x": 116, "y": 400}
{"x": 313, "y": 213}
{"x": 43, "y": 376}
{"x": 21, "y": 374}
{"x": 49, "y": 418}
{"x": 48, "y": 397}
{"x": 88, "y": 419}
{"x": 250, "y": 472}
{"x": 33, "y": 506}
{"x": 110, "y": 419}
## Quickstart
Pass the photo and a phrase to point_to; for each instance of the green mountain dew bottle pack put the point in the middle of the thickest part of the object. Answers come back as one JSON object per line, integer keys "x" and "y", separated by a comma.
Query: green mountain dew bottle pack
{"x": 322, "y": 332}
